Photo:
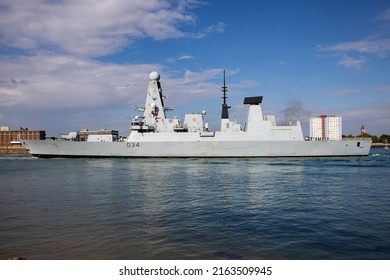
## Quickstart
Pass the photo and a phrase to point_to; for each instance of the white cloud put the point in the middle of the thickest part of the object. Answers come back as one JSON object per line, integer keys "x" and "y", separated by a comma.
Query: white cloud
{"x": 183, "y": 57}
{"x": 52, "y": 81}
{"x": 351, "y": 62}
{"x": 193, "y": 77}
{"x": 346, "y": 51}
{"x": 374, "y": 117}
{"x": 193, "y": 86}
{"x": 90, "y": 28}
{"x": 60, "y": 93}
{"x": 278, "y": 62}
{"x": 49, "y": 80}
{"x": 216, "y": 28}
{"x": 379, "y": 47}
{"x": 345, "y": 91}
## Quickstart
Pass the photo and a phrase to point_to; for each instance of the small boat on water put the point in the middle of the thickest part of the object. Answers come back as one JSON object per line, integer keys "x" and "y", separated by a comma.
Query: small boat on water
{"x": 152, "y": 134}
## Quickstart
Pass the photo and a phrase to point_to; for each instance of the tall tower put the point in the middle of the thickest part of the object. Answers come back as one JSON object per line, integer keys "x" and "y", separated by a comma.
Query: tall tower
{"x": 225, "y": 106}
{"x": 154, "y": 105}
{"x": 225, "y": 122}
{"x": 326, "y": 127}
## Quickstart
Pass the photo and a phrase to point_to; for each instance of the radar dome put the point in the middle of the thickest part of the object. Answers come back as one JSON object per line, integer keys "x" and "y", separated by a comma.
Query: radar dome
{"x": 154, "y": 76}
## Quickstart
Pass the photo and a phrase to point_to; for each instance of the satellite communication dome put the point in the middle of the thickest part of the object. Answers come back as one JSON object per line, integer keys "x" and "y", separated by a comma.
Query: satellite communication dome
{"x": 154, "y": 76}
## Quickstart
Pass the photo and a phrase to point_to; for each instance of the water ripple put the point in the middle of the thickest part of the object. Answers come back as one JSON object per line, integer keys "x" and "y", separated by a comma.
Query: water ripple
{"x": 314, "y": 208}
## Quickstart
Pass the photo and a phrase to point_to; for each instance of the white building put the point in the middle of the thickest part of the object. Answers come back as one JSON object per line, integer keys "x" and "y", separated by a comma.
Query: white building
{"x": 326, "y": 128}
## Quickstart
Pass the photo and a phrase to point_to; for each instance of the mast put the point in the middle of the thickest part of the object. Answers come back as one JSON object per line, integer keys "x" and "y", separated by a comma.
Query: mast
{"x": 225, "y": 106}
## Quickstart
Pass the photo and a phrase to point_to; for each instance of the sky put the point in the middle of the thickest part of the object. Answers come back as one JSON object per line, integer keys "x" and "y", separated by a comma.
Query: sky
{"x": 68, "y": 65}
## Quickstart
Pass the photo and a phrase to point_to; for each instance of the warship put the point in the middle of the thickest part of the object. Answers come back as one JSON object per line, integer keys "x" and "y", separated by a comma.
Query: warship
{"x": 152, "y": 134}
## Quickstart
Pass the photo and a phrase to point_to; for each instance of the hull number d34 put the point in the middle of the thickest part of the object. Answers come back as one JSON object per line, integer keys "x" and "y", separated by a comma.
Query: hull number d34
{"x": 132, "y": 145}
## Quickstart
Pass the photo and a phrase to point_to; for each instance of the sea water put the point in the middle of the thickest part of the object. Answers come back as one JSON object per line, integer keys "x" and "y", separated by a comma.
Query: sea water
{"x": 264, "y": 208}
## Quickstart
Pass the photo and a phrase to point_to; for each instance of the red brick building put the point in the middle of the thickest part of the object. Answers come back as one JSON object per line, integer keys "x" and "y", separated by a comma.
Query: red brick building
{"x": 10, "y": 139}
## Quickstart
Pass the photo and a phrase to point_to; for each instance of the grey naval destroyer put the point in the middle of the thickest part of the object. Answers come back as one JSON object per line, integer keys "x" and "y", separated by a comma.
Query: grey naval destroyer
{"x": 154, "y": 135}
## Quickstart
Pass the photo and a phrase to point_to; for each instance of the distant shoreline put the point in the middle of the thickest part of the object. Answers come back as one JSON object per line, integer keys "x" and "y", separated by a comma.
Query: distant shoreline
{"x": 380, "y": 145}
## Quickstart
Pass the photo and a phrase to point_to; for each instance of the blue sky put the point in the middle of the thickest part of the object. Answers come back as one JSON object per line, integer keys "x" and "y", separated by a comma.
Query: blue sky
{"x": 70, "y": 65}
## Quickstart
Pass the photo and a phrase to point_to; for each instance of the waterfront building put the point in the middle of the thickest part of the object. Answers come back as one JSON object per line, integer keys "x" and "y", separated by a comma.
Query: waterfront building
{"x": 326, "y": 128}
{"x": 10, "y": 139}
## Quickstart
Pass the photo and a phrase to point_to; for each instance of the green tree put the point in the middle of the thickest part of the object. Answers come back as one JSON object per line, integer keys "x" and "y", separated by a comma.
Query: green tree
{"x": 374, "y": 138}
{"x": 384, "y": 138}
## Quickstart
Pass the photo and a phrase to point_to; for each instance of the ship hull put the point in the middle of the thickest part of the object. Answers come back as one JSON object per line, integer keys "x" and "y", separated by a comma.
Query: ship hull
{"x": 198, "y": 148}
